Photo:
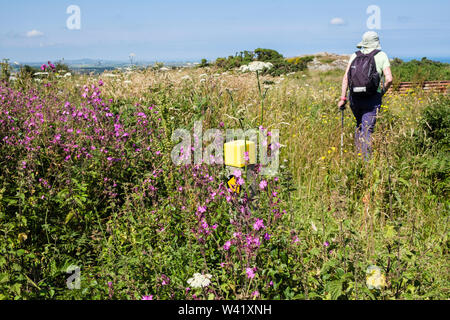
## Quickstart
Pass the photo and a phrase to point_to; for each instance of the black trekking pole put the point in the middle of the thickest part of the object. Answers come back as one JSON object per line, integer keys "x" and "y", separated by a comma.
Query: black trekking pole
{"x": 342, "y": 128}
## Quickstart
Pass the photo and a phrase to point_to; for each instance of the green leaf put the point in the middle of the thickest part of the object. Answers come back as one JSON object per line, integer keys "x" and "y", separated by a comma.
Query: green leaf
{"x": 334, "y": 288}
{"x": 69, "y": 216}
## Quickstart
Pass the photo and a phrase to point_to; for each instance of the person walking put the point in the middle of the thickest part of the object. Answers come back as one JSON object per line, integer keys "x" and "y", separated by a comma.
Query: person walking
{"x": 368, "y": 77}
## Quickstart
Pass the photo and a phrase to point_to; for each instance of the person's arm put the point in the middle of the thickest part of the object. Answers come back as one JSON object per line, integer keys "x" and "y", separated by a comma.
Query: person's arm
{"x": 388, "y": 79}
{"x": 344, "y": 88}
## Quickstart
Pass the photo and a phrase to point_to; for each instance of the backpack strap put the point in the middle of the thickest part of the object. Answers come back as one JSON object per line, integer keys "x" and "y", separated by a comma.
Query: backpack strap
{"x": 373, "y": 53}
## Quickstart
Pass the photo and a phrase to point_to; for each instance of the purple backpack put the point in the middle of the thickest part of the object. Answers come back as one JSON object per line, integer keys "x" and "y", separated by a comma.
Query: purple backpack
{"x": 363, "y": 77}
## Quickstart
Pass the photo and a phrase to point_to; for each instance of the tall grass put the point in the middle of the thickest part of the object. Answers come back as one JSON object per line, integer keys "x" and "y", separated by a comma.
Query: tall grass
{"x": 144, "y": 229}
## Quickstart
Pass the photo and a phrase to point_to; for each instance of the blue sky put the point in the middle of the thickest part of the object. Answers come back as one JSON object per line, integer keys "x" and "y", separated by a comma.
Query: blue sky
{"x": 190, "y": 30}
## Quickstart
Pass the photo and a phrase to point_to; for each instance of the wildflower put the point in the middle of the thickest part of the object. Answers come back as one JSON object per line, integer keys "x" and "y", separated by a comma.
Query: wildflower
{"x": 375, "y": 279}
{"x": 43, "y": 67}
{"x": 199, "y": 280}
{"x": 255, "y": 294}
{"x": 267, "y": 236}
{"x": 240, "y": 181}
{"x": 250, "y": 272}
{"x": 165, "y": 280}
{"x": 227, "y": 245}
{"x": 263, "y": 184}
{"x": 259, "y": 224}
{"x": 326, "y": 244}
{"x": 201, "y": 209}
{"x": 313, "y": 226}
{"x": 237, "y": 173}
{"x": 150, "y": 297}
{"x": 295, "y": 239}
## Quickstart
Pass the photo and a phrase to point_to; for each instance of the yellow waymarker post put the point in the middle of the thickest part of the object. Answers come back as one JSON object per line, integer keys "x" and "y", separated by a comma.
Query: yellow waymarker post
{"x": 235, "y": 153}
{"x": 235, "y": 158}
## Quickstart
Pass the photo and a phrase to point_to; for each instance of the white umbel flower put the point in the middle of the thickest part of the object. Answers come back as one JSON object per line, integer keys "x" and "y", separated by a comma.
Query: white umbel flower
{"x": 199, "y": 280}
{"x": 256, "y": 66}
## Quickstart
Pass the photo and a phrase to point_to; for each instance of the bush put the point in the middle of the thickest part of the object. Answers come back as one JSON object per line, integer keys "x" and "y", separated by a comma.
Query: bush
{"x": 280, "y": 64}
{"x": 420, "y": 71}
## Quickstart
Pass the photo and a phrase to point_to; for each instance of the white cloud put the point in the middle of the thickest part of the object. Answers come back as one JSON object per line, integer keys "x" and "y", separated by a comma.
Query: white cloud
{"x": 337, "y": 21}
{"x": 34, "y": 34}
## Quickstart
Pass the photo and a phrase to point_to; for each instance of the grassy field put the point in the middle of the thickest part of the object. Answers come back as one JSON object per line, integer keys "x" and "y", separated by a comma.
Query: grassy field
{"x": 87, "y": 180}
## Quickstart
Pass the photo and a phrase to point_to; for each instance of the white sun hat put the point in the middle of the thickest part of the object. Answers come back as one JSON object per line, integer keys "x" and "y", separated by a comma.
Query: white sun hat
{"x": 370, "y": 40}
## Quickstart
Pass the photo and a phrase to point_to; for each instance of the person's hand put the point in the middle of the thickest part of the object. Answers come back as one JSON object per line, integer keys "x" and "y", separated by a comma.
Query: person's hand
{"x": 342, "y": 104}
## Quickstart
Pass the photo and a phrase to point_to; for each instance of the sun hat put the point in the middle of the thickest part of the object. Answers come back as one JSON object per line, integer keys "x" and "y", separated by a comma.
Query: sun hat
{"x": 370, "y": 40}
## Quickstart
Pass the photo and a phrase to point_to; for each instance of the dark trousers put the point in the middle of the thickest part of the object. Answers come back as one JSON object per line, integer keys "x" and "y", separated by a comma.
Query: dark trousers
{"x": 365, "y": 110}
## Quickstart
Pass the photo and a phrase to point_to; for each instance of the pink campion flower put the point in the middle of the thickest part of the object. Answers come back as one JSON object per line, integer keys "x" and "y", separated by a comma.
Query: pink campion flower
{"x": 141, "y": 114}
{"x": 240, "y": 181}
{"x": 100, "y": 82}
{"x": 237, "y": 173}
{"x": 201, "y": 209}
{"x": 326, "y": 244}
{"x": 150, "y": 297}
{"x": 246, "y": 157}
{"x": 259, "y": 224}
{"x": 271, "y": 283}
{"x": 250, "y": 272}
{"x": 267, "y": 236}
{"x": 263, "y": 184}
{"x": 227, "y": 245}
{"x": 204, "y": 224}
{"x": 295, "y": 239}
{"x": 43, "y": 67}
{"x": 255, "y": 294}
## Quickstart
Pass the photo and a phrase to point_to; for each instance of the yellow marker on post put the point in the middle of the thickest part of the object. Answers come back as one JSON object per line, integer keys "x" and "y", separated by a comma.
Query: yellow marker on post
{"x": 235, "y": 153}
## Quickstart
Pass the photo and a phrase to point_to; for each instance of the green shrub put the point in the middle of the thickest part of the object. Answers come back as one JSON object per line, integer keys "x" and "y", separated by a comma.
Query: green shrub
{"x": 419, "y": 71}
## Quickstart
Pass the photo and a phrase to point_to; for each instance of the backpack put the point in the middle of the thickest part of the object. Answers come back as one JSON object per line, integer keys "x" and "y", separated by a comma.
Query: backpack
{"x": 363, "y": 77}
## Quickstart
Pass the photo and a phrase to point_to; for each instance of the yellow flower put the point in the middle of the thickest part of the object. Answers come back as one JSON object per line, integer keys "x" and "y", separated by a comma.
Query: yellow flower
{"x": 323, "y": 158}
{"x": 333, "y": 148}
{"x": 22, "y": 237}
{"x": 375, "y": 279}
